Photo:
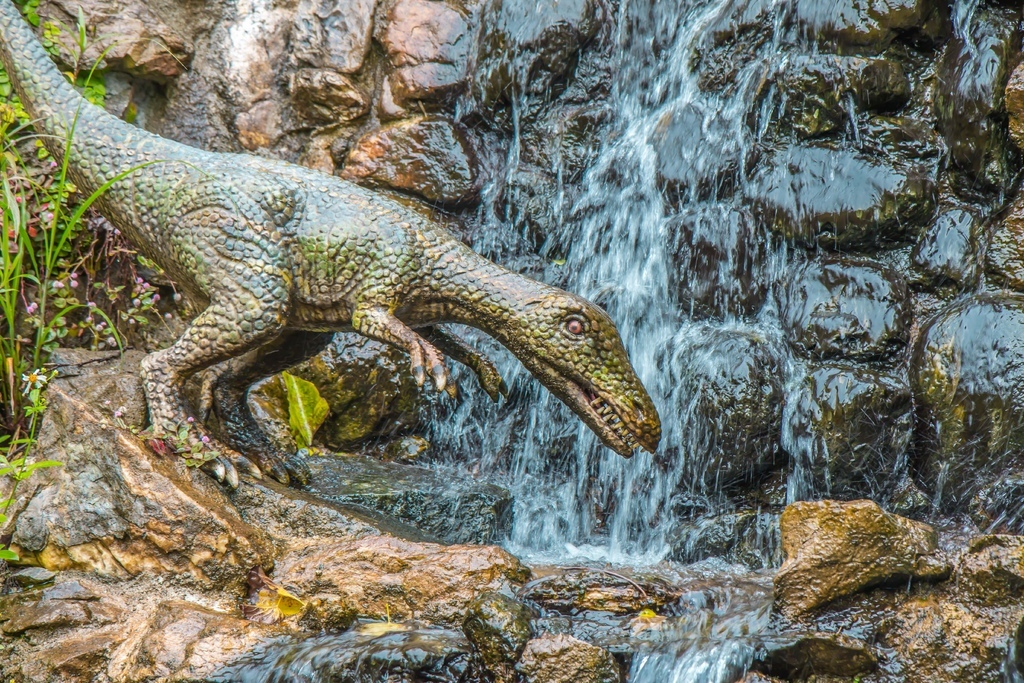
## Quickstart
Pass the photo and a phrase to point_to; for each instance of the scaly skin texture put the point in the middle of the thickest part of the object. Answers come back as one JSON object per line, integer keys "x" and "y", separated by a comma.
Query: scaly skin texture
{"x": 279, "y": 255}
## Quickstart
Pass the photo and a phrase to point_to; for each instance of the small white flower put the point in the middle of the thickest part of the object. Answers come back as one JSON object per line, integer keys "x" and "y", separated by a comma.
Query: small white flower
{"x": 33, "y": 380}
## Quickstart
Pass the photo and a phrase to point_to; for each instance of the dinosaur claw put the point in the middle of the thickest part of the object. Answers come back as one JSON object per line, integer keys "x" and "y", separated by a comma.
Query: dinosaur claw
{"x": 230, "y": 474}
{"x": 215, "y": 468}
{"x": 440, "y": 376}
{"x": 419, "y": 374}
{"x": 298, "y": 468}
{"x": 452, "y": 390}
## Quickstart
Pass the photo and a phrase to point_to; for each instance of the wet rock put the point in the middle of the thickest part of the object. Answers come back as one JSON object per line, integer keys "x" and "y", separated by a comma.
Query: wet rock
{"x": 796, "y": 657}
{"x": 453, "y": 512}
{"x": 409, "y": 653}
{"x": 847, "y": 308}
{"x": 30, "y": 577}
{"x": 429, "y": 45}
{"x": 325, "y": 96}
{"x": 839, "y": 199}
{"x": 818, "y": 91}
{"x": 575, "y": 590}
{"x": 67, "y": 604}
{"x": 991, "y": 571}
{"x": 1004, "y": 258}
{"x": 184, "y": 641}
{"x": 966, "y": 374}
{"x": 1014, "y": 101}
{"x": 731, "y": 398}
{"x": 79, "y": 656}
{"x": 721, "y": 262}
{"x": 367, "y": 385}
{"x": 680, "y": 140}
{"x": 969, "y": 103}
{"x": 128, "y": 36}
{"x": 836, "y": 549}
{"x": 749, "y": 537}
{"x": 901, "y": 136}
{"x": 498, "y": 627}
{"x": 948, "y": 252}
{"x": 430, "y": 156}
{"x": 333, "y": 33}
{"x": 851, "y": 426}
{"x": 381, "y": 575}
{"x": 529, "y": 48}
{"x": 405, "y": 449}
{"x": 115, "y": 507}
{"x": 564, "y": 659}
{"x": 997, "y": 506}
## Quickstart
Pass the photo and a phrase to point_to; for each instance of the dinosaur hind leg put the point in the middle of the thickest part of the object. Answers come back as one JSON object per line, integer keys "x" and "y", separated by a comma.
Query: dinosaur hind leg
{"x": 237, "y": 425}
{"x": 233, "y": 324}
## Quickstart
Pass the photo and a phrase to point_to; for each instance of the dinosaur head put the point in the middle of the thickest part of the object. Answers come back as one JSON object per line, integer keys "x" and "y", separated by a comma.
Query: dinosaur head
{"x": 574, "y": 349}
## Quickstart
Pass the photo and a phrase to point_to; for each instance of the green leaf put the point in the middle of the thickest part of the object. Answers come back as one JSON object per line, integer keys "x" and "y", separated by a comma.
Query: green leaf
{"x": 8, "y": 555}
{"x": 307, "y": 410}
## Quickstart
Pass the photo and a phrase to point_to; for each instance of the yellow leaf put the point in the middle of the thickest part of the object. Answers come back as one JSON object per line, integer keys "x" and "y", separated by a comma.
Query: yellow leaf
{"x": 647, "y": 614}
{"x": 382, "y": 628}
{"x": 307, "y": 410}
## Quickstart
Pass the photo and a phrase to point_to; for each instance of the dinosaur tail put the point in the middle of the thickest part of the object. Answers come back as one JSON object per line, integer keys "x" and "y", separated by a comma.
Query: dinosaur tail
{"x": 46, "y": 95}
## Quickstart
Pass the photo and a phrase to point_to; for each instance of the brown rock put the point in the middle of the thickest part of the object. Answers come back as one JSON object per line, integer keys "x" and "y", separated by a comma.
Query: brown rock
{"x": 429, "y": 156}
{"x": 183, "y": 641}
{"x": 798, "y": 656}
{"x": 1015, "y": 105}
{"x": 1004, "y": 259}
{"x": 564, "y": 659}
{"x": 128, "y": 35}
{"x": 333, "y": 33}
{"x": 991, "y": 571}
{"x": 382, "y": 575}
{"x": 71, "y": 603}
{"x": 834, "y": 549}
{"x": 326, "y": 96}
{"x": 115, "y": 507}
{"x": 586, "y": 589}
{"x": 259, "y": 126}
{"x": 428, "y": 43}
{"x": 78, "y": 657}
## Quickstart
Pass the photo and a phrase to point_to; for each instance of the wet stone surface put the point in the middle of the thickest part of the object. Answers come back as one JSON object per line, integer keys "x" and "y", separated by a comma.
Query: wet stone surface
{"x": 465, "y": 512}
{"x": 948, "y": 252}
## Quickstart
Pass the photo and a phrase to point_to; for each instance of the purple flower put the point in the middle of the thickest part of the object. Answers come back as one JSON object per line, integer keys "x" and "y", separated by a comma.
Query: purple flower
{"x": 205, "y": 439}
{"x": 90, "y": 304}
{"x": 32, "y": 308}
{"x": 136, "y": 303}
{"x": 191, "y": 419}
{"x": 111, "y": 341}
{"x": 156, "y": 297}
{"x": 167, "y": 316}
{"x": 73, "y": 284}
{"x": 119, "y": 412}
{"x": 138, "y": 280}
{"x": 57, "y": 284}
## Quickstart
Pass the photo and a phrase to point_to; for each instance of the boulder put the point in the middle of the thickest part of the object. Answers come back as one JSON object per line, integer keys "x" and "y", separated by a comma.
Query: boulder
{"x": 846, "y": 308}
{"x": 747, "y": 536}
{"x": 947, "y": 254}
{"x": 851, "y": 427}
{"x": 818, "y": 90}
{"x": 528, "y": 48}
{"x": 837, "y": 549}
{"x": 1014, "y": 101}
{"x": 429, "y": 156}
{"x": 129, "y": 36}
{"x": 1004, "y": 258}
{"x": 380, "y": 575}
{"x": 333, "y": 34}
{"x": 970, "y": 106}
{"x": 797, "y": 656}
{"x": 840, "y": 199}
{"x": 564, "y": 659}
{"x": 967, "y": 374}
{"x": 324, "y": 96}
{"x": 70, "y": 603}
{"x": 366, "y": 384}
{"x": 429, "y": 45}
{"x": 575, "y": 590}
{"x": 450, "y": 511}
{"x": 991, "y": 572}
{"x": 114, "y": 507}
{"x": 499, "y": 628}
{"x": 730, "y": 398}
{"x": 721, "y": 262}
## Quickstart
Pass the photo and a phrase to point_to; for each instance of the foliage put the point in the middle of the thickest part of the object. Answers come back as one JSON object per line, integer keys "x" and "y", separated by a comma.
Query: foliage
{"x": 307, "y": 410}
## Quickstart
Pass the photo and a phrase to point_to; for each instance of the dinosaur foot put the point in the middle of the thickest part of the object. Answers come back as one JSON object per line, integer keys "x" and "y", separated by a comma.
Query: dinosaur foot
{"x": 280, "y": 466}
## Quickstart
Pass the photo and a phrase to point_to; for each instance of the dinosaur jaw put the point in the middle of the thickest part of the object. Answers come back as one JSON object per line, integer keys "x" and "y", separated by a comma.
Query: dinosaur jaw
{"x": 619, "y": 428}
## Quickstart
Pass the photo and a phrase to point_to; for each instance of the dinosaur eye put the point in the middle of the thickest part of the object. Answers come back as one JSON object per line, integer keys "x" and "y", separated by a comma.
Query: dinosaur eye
{"x": 575, "y": 327}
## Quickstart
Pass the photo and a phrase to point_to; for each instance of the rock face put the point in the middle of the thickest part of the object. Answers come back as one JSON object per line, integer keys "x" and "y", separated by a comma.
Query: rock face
{"x": 948, "y": 252}
{"x": 964, "y": 375}
{"x": 1015, "y": 105}
{"x": 499, "y": 628}
{"x": 378, "y": 576}
{"x": 114, "y": 507}
{"x": 1004, "y": 260}
{"x": 797, "y": 657}
{"x": 432, "y": 157}
{"x": 837, "y": 549}
{"x": 326, "y": 96}
{"x": 846, "y": 309}
{"x": 564, "y": 659}
{"x": 333, "y": 33}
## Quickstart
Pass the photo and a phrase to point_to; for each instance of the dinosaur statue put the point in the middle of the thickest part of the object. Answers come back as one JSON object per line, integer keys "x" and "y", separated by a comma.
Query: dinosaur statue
{"x": 279, "y": 256}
